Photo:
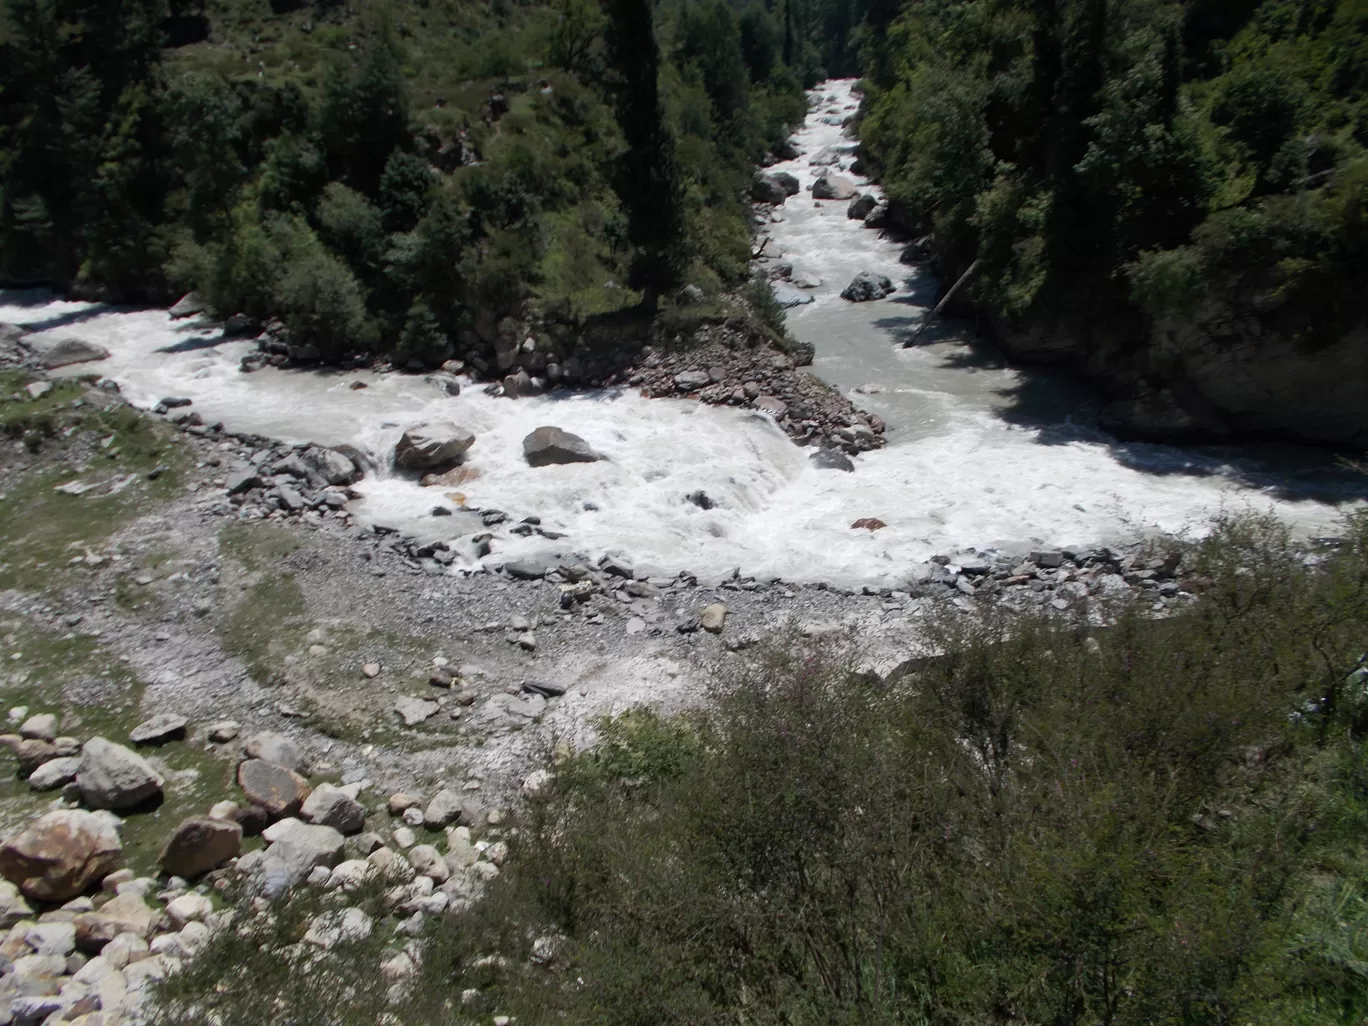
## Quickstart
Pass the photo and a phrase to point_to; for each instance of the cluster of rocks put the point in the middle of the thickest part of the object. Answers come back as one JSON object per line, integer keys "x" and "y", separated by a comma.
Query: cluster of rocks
{"x": 807, "y": 409}
{"x": 265, "y": 478}
{"x": 1059, "y": 578}
{"x": 83, "y": 940}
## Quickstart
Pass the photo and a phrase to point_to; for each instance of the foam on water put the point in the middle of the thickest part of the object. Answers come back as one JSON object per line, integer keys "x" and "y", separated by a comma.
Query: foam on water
{"x": 958, "y": 472}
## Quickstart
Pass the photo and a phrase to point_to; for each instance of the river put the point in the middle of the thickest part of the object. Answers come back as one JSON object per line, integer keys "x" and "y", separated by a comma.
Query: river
{"x": 980, "y": 456}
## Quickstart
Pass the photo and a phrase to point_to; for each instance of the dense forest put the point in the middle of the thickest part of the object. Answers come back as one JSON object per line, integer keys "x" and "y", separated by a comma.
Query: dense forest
{"x": 390, "y": 175}
{"x": 1113, "y": 164}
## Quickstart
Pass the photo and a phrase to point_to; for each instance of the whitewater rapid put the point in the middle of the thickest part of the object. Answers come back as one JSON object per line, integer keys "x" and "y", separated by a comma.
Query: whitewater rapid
{"x": 979, "y": 457}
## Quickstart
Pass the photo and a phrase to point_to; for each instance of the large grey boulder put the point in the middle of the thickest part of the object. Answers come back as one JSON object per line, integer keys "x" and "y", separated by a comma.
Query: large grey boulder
{"x": 766, "y": 188}
{"x": 825, "y": 157}
{"x": 433, "y": 444}
{"x": 294, "y": 853}
{"x": 114, "y": 777}
{"x": 332, "y": 466}
{"x": 334, "y": 807}
{"x": 187, "y": 306}
{"x": 550, "y": 445}
{"x": 787, "y": 181}
{"x": 62, "y": 352}
{"x": 159, "y": 729}
{"x": 61, "y": 854}
{"x": 860, "y": 207}
{"x": 833, "y": 187}
{"x": 867, "y": 286}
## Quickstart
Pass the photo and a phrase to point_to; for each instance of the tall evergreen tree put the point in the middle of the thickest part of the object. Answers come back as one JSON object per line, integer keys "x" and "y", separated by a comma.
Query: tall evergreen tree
{"x": 647, "y": 178}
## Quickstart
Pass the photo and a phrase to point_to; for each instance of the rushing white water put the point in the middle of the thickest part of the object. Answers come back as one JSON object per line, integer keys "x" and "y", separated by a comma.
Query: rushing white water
{"x": 978, "y": 456}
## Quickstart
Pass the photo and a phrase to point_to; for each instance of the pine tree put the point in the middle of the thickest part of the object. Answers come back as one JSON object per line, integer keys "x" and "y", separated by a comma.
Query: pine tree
{"x": 647, "y": 179}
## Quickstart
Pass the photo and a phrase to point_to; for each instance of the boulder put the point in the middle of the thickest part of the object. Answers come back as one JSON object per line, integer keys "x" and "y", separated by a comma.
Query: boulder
{"x": 269, "y": 746}
{"x": 33, "y": 752}
{"x": 334, "y": 467}
{"x": 296, "y": 853}
{"x": 199, "y": 845}
{"x": 691, "y": 381}
{"x": 55, "y": 773}
{"x": 877, "y": 218}
{"x": 334, "y": 807}
{"x": 432, "y": 444}
{"x": 61, "y": 854}
{"x": 868, "y": 286}
{"x": 833, "y": 187}
{"x": 187, "y": 306}
{"x": 550, "y": 445}
{"x": 825, "y": 157}
{"x": 13, "y": 906}
{"x": 788, "y": 297}
{"x": 62, "y": 352}
{"x": 42, "y": 726}
{"x": 860, "y": 207}
{"x": 713, "y": 617}
{"x": 446, "y": 807}
{"x": 159, "y": 729}
{"x": 787, "y": 181}
{"x": 280, "y": 791}
{"x": 775, "y": 407}
{"x": 414, "y": 711}
{"x": 114, "y": 777}
{"x": 766, "y": 188}
{"x": 831, "y": 459}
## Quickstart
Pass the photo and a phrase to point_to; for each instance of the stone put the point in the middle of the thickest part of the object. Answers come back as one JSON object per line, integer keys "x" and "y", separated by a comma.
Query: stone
{"x": 765, "y": 188}
{"x": 223, "y": 731}
{"x": 187, "y": 306}
{"x": 61, "y": 854}
{"x": 30, "y": 1011}
{"x": 241, "y": 481}
{"x": 525, "y": 569}
{"x": 446, "y": 384}
{"x": 159, "y": 729}
{"x": 344, "y": 926}
{"x": 124, "y": 950}
{"x": 62, "y": 352}
{"x": 34, "y": 752}
{"x": 51, "y": 938}
{"x": 269, "y": 746}
{"x": 868, "y": 286}
{"x": 414, "y": 711}
{"x": 789, "y": 182}
{"x": 336, "y": 468}
{"x": 692, "y": 381}
{"x": 860, "y": 206}
{"x": 776, "y": 408}
{"x": 550, "y": 445}
{"x": 199, "y": 845}
{"x": 13, "y": 906}
{"x": 43, "y": 726}
{"x": 432, "y": 444}
{"x": 427, "y": 861}
{"x": 446, "y": 807}
{"x": 788, "y": 296}
{"x": 55, "y": 773}
{"x": 400, "y": 802}
{"x": 280, "y": 791}
{"x": 290, "y": 859}
{"x": 38, "y": 389}
{"x": 114, "y": 777}
{"x": 334, "y": 807}
{"x": 188, "y": 908}
{"x": 833, "y": 187}
{"x": 713, "y": 617}
{"x": 349, "y": 875}
{"x": 831, "y": 459}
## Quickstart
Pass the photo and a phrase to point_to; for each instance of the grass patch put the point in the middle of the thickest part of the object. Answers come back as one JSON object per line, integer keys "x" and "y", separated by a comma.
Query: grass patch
{"x": 268, "y": 619}
{"x": 112, "y": 450}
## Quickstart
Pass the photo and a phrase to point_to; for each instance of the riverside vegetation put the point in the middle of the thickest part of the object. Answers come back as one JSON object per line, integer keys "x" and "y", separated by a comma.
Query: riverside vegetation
{"x": 1072, "y": 822}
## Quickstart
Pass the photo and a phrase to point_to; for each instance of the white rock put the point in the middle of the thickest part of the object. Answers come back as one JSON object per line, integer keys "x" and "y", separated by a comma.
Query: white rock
{"x": 403, "y": 837}
{"x": 188, "y": 908}
{"x": 426, "y": 860}
{"x": 345, "y": 926}
{"x": 348, "y": 876}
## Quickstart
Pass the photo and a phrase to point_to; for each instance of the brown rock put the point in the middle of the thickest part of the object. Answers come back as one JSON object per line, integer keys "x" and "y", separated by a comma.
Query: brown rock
{"x": 32, "y": 753}
{"x": 276, "y": 789}
{"x": 868, "y": 523}
{"x": 199, "y": 845}
{"x": 61, "y": 854}
{"x": 452, "y": 478}
{"x": 124, "y": 913}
